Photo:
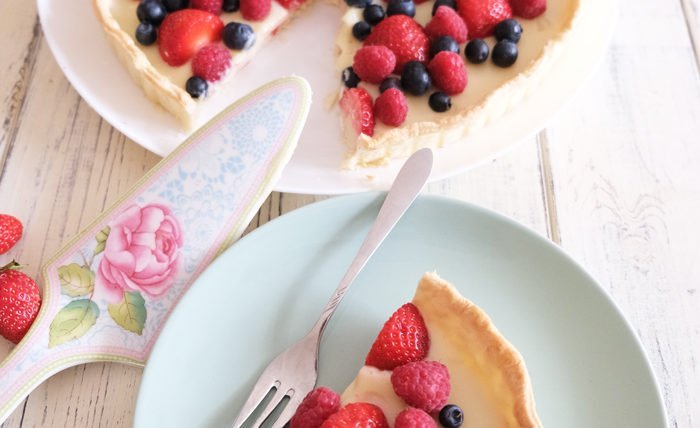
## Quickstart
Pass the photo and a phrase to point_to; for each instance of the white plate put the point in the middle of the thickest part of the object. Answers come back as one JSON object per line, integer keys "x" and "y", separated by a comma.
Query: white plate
{"x": 82, "y": 52}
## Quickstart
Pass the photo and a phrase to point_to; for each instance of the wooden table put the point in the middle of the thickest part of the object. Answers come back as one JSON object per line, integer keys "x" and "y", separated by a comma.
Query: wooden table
{"x": 614, "y": 180}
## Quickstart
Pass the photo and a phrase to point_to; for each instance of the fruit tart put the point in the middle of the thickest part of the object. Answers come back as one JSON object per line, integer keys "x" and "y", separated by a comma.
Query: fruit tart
{"x": 437, "y": 361}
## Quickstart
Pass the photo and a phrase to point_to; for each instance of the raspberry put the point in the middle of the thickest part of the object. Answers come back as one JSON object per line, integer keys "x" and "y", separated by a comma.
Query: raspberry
{"x": 447, "y": 22}
{"x": 211, "y": 6}
{"x": 362, "y": 415}
{"x": 391, "y": 107}
{"x": 211, "y": 62}
{"x": 404, "y": 36}
{"x": 316, "y": 407}
{"x": 255, "y": 10}
{"x": 528, "y": 8}
{"x": 414, "y": 418}
{"x": 448, "y": 72}
{"x": 422, "y": 384}
{"x": 374, "y": 63}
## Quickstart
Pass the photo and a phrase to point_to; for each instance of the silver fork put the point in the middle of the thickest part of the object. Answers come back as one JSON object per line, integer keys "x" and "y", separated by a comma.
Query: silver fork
{"x": 293, "y": 372}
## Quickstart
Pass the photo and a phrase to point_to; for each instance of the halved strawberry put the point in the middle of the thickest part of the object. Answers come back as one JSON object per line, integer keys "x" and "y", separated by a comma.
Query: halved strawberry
{"x": 403, "y": 339}
{"x": 482, "y": 15}
{"x": 356, "y": 104}
{"x": 182, "y": 33}
{"x": 365, "y": 415}
{"x": 404, "y": 36}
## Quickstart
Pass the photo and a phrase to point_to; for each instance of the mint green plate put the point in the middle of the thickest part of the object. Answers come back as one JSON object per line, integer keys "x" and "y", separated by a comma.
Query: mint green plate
{"x": 587, "y": 366}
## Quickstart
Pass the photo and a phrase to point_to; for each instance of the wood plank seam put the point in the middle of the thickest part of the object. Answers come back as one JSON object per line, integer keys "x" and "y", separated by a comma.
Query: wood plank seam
{"x": 548, "y": 194}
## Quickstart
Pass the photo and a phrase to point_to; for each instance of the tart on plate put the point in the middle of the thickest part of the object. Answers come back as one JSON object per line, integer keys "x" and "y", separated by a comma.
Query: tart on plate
{"x": 438, "y": 361}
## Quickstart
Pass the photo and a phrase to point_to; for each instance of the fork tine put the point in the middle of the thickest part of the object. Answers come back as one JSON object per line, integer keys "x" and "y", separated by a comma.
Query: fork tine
{"x": 288, "y": 412}
{"x": 259, "y": 392}
{"x": 275, "y": 401}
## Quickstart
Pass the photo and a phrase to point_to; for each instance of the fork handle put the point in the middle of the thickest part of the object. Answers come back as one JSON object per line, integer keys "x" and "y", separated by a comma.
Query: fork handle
{"x": 408, "y": 184}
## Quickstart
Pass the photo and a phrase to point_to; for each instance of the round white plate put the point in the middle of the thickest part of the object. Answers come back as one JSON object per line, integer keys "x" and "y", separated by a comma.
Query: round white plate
{"x": 305, "y": 48}
{"x": 586, "y": 364}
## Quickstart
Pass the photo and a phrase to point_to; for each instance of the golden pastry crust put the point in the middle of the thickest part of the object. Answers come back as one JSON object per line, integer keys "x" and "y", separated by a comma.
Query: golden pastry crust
{"x": 499, "y": 364}
{"x": 157, "y": 87}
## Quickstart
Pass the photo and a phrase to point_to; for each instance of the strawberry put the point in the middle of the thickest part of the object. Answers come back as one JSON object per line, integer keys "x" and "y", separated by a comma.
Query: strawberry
{"x": 528, "y": 8}
{"x": 291, "y": 4}
{"x": 448, "y": 72}
{"x": 446, "y": 22}
{"x": 211, "y": 6}
{"x": 182, "y": 33}
{"x": 363, "y": 415}
{"x": 404, "y": 36}
{"x": 482, "y": 15}
{"x": 255, "y": 10}
{"x": 403, "y": 339}
{"x": 211, "y": 62}
{"x": 19, "y": 303}
{"x": 10, "y": 232}
{"x": 356, "y": 103}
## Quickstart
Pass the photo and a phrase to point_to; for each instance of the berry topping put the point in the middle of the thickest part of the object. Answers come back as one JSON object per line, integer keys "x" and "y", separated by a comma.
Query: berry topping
{"x": 439, "y": 102}
{"x": 173, "y": 5}
{"x": 196, "y": 87}
{"x": 349, "y": 78}
{"x": 443, "y": 43}
{"x": 211, "y": 6}
{"x": 374, "y": 63}
{"x": 291, "y": 4}
{"x": 182, "y": 33}
{"x": 238, "y": 36}
{"x": 447, "y": 22}
{"x": 415, "y": 78}
{"x": 364, "y": 415}
{"x": 361, "y": 30}
{"x": 448, "y": 72}
{"x": 10, "y": 232}
{"x": 504, "y": 53}
{"x": 231, "y": 5}
{"x": 508, "y": 29}
{"x": 414, "y": 418}
{"x": 391, "y": 107}
{"x": 422, "y": 384}
{"x": 211, "y": 62}
{"x": 528, "y": 8}
{"x": 146, "y": 33}
{"x": 451, "y": 416}
{"x": 403, "y": 339}
{"x": 255, "y": 10}
{"x": 401, "y": 7}
{"x": 477, "y": 51}
{"x": 373, "y": 14}
{"x": 356, "y": 104}
{"x": 390, "y": 82}
{"x": 404, "y": 36}
{"x": 316, "y": 407}
{"x": 358, "y": 3}
{"x": 19, "y": 302}
{"x": 449, "y": 3}
{"x": 482, "y": 15}
{"x": 151, "y": 11}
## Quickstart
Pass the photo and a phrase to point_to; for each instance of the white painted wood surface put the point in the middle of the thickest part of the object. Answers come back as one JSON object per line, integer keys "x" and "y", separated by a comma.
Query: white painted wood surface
{"x": 615, "y": 179}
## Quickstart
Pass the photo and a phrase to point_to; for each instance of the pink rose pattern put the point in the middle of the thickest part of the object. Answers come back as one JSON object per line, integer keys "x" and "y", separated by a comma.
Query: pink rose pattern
{"x": 142, "y": 252}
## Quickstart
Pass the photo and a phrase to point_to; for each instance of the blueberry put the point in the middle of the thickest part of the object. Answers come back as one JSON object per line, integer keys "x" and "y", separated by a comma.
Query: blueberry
{"x": 174, "y": 5}
{"x": 477, "y": 51}
{"x": 231, "y": 5}
{"x": 350, "y": 79}
{"x": 508, "y": 29}
{"x": 449, "y": 3}
{"x": 361, "y": 30}
{"x": 238, "y": 36}
{"x": 373, "y": 14}
{"x": 504, "y": 53}
{"x": 440, "y": 102}
{"x": 196, "y": 87}
{"x": 401, "y": 7}
{"x": 415, "y": 78}
{"x": 390, "y": 82}
{"x": 443, "y": 43}
{"x": 151, "y": 11}
{"x": 146, "y": 33}
{"x": 451, "y": 416}
{"x": 358, "y": 3}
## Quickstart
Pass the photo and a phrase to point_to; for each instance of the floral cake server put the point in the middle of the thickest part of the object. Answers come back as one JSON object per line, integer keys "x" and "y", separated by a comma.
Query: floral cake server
{"x": 107, "y": 294}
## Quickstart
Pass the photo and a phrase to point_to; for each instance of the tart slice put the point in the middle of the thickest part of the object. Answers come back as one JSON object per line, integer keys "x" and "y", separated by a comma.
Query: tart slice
{"x": 437, "y": 361}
